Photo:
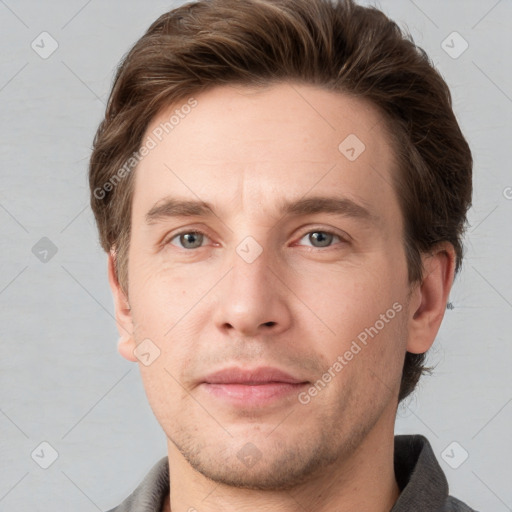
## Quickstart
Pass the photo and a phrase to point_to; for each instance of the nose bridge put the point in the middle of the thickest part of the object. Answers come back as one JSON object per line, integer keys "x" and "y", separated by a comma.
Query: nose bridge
{"x": 252, "y": 254}
{"x": 251, "y": 269}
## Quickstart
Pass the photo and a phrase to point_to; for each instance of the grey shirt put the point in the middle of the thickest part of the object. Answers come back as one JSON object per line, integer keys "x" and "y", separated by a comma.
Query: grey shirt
{"x": 421, "y": 481}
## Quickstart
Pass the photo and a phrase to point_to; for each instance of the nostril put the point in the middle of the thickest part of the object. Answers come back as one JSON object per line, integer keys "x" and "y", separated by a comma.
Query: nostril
{"x": 269, "y": 324}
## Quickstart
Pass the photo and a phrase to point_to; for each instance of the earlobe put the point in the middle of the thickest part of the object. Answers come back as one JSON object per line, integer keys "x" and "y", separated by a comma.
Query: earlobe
{"x": 431, "y": 297}
{"x": 126, "y": 347}
{"x": 124, "y": 321}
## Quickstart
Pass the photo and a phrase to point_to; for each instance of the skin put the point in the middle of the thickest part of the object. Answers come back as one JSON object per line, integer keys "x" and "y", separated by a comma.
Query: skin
{"x": 297, "y": 306}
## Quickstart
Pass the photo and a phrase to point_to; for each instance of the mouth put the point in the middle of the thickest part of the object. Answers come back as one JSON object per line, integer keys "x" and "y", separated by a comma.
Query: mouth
{"x": 252, "y": 387}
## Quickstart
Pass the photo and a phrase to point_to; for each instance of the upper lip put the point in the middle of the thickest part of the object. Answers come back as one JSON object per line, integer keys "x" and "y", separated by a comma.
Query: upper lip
{"x": 254, "y": 376}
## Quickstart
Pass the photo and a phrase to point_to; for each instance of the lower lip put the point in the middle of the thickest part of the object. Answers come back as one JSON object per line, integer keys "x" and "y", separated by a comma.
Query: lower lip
{"x": 253, "y": 395}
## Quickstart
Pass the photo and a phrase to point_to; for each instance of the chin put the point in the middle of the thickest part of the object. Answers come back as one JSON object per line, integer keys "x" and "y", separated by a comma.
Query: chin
{"x": 271, "y": 466}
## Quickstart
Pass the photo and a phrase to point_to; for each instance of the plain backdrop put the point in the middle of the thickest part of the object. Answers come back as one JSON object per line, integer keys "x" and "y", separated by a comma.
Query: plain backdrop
{"x": 62, "y": 381}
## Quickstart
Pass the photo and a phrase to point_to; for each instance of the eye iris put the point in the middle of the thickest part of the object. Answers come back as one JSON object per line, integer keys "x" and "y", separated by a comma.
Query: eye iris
{"x": 320, "y": 238}
{"x": 191, "y": 240}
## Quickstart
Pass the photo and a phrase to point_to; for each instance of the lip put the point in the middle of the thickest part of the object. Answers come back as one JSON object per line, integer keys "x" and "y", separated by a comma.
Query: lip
{"x": 255, "y": 376}
{"x": 249, "y": 388}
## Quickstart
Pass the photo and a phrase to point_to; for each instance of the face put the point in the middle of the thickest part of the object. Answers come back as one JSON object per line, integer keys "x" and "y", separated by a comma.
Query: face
{"x": 268, "y": 282}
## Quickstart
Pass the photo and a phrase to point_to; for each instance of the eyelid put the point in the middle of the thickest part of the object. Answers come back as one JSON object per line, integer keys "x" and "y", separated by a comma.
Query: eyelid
{"x": 342, "y": 235}
{"x": 171, "y": 236}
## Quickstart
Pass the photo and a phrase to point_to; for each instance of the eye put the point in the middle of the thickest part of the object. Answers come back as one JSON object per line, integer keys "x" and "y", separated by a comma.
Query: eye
{"x": 320, "y": 238}
{"x": 188, "y": 239}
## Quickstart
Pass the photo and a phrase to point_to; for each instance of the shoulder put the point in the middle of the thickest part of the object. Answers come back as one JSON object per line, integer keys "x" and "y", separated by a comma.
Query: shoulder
{"x": 454, "y": 505}
{"x": 151, "y": 493}
{"x": 421, "y": 480}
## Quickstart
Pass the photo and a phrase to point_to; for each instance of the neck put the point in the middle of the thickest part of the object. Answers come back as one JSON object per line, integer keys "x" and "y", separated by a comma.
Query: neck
{"x": 364, "y": 480}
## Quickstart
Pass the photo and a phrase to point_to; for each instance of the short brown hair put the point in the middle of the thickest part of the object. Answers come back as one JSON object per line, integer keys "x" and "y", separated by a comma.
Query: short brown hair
{"x": 339, "y": 46}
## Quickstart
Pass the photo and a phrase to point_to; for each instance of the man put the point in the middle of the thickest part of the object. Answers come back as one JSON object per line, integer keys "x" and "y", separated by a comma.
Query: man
{"x": 282, "y": 188}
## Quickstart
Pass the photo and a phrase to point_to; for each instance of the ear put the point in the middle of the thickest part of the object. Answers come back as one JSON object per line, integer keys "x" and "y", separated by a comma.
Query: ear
{"x": 429, "y": 298}
{"x": 124, "y": 321}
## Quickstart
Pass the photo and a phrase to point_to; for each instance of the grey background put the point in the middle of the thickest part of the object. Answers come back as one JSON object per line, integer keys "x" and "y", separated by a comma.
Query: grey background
{"x": 61, "y": 379}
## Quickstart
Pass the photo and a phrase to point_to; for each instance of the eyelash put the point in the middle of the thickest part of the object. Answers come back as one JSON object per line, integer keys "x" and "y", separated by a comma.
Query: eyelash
{"x": 342, "y": 239}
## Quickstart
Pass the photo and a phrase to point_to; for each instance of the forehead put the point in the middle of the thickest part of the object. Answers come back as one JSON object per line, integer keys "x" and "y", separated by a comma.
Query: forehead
{"x": 251, "y": 148}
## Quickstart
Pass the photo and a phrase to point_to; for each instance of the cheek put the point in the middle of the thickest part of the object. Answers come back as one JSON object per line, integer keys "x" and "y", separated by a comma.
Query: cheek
{"x": 347, "y": 300}
{"x": 362, "y": 313}
{"x": 165, "y": 293}
{"x": 168, "y": 308}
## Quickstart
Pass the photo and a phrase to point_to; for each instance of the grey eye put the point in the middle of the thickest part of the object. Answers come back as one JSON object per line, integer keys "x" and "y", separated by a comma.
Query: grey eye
{"x": 320, "y": 238}
{"x": 191, "y": 240}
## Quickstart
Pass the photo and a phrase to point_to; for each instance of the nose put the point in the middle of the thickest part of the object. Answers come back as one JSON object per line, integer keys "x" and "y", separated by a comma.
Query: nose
{"x": 252, "y": 300}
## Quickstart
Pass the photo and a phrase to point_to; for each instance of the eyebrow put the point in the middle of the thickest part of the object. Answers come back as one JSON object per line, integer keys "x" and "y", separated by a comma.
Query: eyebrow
{"x": 172, "y": 207}
{"x": 335, "y": 205}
